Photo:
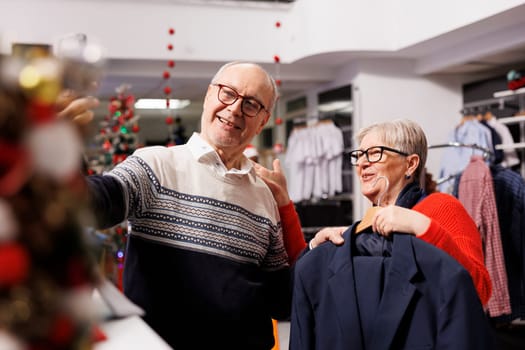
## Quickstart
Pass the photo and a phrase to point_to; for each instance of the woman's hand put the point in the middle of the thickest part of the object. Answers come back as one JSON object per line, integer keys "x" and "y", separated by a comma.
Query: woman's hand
{"x": 275, "y": 180}
{"x": 394, "y": 218}
{"x": 333, "y": 234}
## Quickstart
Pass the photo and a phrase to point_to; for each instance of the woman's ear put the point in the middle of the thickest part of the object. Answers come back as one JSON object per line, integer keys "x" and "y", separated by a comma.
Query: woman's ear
{"x": 413, "y": 163}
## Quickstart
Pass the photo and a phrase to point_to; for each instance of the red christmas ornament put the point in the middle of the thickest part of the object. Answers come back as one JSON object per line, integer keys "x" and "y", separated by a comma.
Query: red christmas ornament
{"x": 277, "y": 24}
{"x": 169, "y": 120}
{"x": 167, "y": 90}
{"x": 278, "y": 148}
{"x": 166, "y": 74}
{"x": 171, "y": 63}
{"x": 135, "y": 128}
{"x": 170, "y": 47}
{"x": 278, "y": 121}
{"x": 278, "y": 82}
{"x": 14, "y": 264}
{"x": 276, "y": 59}
{"x": 106, "y": 145}
{"x": 62, "y": 330}
{"x": 167, "y": 103}
{"x": 171, "y": 31}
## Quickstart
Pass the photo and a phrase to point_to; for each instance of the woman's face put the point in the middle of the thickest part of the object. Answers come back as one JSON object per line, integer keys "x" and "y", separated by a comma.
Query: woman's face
{"x": 381, "y": 181}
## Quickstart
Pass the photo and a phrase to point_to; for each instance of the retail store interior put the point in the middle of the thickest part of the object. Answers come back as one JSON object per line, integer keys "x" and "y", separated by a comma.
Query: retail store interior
{"x": 352, "y": 63}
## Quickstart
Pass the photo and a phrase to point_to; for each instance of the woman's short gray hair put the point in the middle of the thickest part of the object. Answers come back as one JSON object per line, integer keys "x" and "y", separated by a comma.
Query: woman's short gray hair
{"x": 402, "y": 134}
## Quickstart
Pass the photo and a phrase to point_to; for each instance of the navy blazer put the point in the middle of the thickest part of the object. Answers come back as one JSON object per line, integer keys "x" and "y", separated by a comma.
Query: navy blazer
{"x": 426, "y": 300}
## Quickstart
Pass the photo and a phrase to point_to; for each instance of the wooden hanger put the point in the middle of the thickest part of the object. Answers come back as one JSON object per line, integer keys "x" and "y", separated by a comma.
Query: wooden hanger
{"x": 366, "y": 222}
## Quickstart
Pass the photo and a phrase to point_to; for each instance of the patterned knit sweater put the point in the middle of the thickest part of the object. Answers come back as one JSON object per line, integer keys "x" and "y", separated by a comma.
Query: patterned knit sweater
{"x": 205, "y": 257}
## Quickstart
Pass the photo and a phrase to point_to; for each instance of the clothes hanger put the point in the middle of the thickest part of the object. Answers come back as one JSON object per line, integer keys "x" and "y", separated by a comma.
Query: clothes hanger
{"x": 366, "y": 222}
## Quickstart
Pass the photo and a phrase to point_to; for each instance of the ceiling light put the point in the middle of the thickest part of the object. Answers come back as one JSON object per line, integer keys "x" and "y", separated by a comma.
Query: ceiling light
{"x": 160, "y": 103}
{"x": 336, "y": 106}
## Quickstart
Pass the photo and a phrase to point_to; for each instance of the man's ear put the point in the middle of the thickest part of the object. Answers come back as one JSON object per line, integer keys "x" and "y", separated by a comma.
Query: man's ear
{"x": 263, "y": 123}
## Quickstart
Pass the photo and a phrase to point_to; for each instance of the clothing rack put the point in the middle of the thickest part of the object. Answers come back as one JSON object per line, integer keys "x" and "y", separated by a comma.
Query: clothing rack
{"x": 487, "y": 154}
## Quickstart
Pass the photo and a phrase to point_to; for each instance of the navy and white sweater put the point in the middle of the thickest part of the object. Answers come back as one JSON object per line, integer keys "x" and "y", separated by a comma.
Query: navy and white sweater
{"x": 205, "y": 256}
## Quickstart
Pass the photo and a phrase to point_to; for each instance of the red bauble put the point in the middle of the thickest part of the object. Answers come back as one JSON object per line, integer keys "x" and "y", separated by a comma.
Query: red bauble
{"x": 277, "y": 24}
{"x": 278, "y": 148}
{"x": 278, "y": 82}
{"x": 276, "y": 59}
{"x": 278, "y": 121}
{"x": 171, "y": 63}
{"x": 62, "y": 330}
{"x": 14, "y": 264}
{"x": 166, "y": 74}
{"x": 171, "y": 31}
{"x": 170, "y": 47}
{"x": 135, "y": 128}
{"x": 169, "y": 120}
{"x": 167, "y": 90}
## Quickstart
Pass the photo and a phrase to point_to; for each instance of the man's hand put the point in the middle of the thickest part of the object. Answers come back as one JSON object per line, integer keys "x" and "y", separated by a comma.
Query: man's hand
{"x": 333, "y": 234}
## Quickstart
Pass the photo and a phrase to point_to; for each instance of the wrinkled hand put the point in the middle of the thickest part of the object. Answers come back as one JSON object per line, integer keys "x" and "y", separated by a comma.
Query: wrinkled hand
{"x": 275, "y": 180}
{"x": 333, "y": 234}
{"x": 74, "y": 108}
{"x": 398, "y": 219}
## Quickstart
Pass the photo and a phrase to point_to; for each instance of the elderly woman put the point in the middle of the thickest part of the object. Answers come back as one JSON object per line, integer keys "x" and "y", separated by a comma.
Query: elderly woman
{"x": 389, "y": 161}
{"x": 385, "y": 288}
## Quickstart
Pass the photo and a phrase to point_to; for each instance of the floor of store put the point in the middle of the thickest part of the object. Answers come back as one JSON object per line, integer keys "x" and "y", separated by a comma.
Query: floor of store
{"x": 283, "y": 328}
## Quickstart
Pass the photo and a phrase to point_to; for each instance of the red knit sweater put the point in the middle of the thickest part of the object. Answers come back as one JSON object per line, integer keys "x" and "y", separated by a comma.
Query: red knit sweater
{"x": 293, "y": 236}
{"x": 451, "y": 229}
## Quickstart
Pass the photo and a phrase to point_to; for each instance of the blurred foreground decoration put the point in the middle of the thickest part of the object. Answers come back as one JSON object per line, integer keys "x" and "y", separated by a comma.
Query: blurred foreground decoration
{"x": 47, "y": 269}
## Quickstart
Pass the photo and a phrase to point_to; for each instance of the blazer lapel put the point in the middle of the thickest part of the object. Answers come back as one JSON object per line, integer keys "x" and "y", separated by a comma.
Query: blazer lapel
{"x": 342, "y": 289}
{"x": 397, "y": 294}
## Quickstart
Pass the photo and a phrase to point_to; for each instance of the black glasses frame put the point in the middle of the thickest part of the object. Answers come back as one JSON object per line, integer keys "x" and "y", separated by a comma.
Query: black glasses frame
{"x": 244, "y": 99}
{"x": 355, "y": 155}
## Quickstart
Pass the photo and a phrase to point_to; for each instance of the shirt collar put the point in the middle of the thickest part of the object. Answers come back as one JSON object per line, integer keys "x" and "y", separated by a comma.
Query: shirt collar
{"x": 206, "y": 154}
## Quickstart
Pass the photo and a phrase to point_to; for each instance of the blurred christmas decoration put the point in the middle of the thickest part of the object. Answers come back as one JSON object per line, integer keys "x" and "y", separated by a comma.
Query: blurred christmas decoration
{"x": 47, "y": 268}
{"x": 118, "y": 134}
{"x": 176, "y": 131}
{"x": 278, "y": 148}
{"x": 515, "y": 80}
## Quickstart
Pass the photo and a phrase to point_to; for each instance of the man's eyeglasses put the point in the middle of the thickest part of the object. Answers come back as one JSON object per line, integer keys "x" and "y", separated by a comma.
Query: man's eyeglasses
{"x": 249, "y": 106}
{"x": 373, "y": 154}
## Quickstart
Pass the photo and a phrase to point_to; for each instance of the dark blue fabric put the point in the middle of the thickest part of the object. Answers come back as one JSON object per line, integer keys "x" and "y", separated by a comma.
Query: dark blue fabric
{"x": 428, "y": 300}
{"x": 509, "y": 190}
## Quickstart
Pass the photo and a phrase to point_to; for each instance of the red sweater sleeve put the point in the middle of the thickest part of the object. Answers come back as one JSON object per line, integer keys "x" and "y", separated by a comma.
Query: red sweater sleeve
{"x": 453, "y": 230}
{"x": 294, "y": 242}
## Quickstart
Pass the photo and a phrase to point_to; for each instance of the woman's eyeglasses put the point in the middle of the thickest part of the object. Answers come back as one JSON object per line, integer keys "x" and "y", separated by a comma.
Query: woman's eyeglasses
{"x": 373, "y": 154}
{"x": 228, "y": 96}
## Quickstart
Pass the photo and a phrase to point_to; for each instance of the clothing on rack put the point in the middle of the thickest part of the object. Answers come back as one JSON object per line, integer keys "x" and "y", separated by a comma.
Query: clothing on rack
{"x": 509, "y": 189}
{"x": 510, "y": 156}
{"x": 476, "y": 193}
{"x": 314, "y": 160}
{"x": 455, "y": 159}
